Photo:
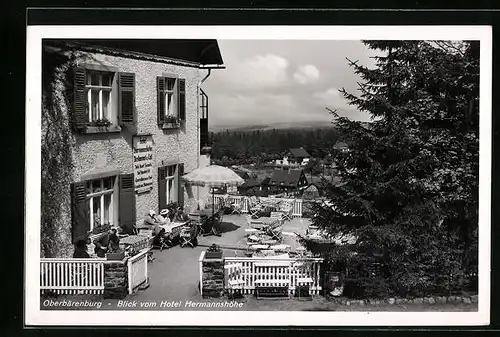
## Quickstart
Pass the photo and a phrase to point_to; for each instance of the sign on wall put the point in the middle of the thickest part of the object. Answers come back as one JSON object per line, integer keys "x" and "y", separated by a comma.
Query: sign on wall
{"x": 143, "y": 163}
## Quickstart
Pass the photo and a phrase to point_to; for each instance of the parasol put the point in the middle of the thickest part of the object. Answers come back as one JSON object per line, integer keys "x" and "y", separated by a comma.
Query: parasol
{"x": 213, "y": 176}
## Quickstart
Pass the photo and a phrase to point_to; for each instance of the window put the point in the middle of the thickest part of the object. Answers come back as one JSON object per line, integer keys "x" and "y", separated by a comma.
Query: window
{"x": 169, "y": 184}
{"x": 99, "y": 87}
{"x": 171, "y": 181}
{"x": 100, "y": 195}
{"x": 103, "y": 97}
{"x": 171, "y": 99}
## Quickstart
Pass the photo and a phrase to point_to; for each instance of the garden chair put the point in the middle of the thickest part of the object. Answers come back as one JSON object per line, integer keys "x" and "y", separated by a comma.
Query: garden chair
{"x": 254, "y": 207}
{"x": 160, "y": 241}
{"x": 185, "y": 236}
{"x": 234, "y": 277}
{"x": 236, "y": 208}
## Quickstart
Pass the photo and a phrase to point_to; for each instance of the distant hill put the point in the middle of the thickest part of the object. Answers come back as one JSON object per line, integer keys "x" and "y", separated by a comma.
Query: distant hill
{"x": 280, "y": 125}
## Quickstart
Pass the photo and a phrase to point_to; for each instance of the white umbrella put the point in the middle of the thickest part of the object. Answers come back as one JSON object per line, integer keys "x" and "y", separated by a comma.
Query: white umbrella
{"x": 213, "y": 176}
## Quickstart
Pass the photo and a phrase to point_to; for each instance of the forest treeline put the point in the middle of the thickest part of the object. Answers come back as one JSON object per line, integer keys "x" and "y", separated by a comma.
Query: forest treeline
{"x": 259, "y": 146}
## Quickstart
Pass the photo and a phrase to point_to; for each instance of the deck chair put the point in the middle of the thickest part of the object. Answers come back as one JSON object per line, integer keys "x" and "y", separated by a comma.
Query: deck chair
{"x": 276, "y": 233}
{"x": 287, "y": 210}
{"x": 279, "y": 216}
{"x": 250, "y": 230}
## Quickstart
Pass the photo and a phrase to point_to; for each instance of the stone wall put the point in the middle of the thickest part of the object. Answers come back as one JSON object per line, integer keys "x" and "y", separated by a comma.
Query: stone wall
{"x": 213, "y": 278}
{"x": 116, "y": 279}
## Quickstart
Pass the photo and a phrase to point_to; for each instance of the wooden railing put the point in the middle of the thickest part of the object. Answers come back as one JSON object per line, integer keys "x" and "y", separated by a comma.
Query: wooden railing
{"x": 72, "y": 276}
{"x": 137, "y": 270}
{"x": 252, "y": 272}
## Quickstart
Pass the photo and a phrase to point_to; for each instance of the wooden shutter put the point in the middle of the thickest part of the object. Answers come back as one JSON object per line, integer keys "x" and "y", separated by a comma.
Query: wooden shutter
{"x": 160, "y": 89}
{"x": 182, "y": 99}
{"x": 80, "y": 218}
{"x": 126, "y": 207}
{"x": 162, "y": 192}
{"x": 180, "y": 173}
{"x": 80, "y": 115}
{"x": 126, "y": 105}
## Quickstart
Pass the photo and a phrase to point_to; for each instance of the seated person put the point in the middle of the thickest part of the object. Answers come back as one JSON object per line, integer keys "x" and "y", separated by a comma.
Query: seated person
{"x": 108, "y": 242}
{"x": 81, "y": 250}
{"x": 164, "y": 216}
{"x": 180, "y": 216}
{"x": 152, "y": 219}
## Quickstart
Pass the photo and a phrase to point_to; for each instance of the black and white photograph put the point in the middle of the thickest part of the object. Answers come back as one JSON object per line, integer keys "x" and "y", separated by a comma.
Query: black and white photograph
{"x": 322, "y": 175}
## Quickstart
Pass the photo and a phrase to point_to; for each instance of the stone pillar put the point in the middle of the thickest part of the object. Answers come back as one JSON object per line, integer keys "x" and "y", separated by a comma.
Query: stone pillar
{"x": 116, "y": 279}
{"x": 213, "y": 278}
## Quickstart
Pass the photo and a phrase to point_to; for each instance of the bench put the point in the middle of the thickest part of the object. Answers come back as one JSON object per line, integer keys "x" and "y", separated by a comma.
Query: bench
{"x": 273, "y": 281}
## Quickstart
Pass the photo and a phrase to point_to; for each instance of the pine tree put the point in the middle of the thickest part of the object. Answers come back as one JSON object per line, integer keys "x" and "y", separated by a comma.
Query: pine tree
{"x": 409, "y": 191}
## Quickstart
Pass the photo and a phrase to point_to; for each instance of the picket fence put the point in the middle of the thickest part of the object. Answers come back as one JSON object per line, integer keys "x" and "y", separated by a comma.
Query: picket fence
{"x": 243, "y": 202}
{"x": 137, "y": 270}
{"x": 251, "y": 272}
{"x": 86, "y": 276}
{"x": 72, "y": 276}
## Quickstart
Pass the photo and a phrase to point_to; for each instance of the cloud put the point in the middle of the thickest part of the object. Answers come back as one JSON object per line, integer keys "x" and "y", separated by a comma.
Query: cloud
{"x": 266, "y": 107}
{"x": 267, "y": 70}
{"x": 306, "y": 74}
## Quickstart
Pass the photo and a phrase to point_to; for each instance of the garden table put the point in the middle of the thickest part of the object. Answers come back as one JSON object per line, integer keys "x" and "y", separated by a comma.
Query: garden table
{"x": 173, "y": 229}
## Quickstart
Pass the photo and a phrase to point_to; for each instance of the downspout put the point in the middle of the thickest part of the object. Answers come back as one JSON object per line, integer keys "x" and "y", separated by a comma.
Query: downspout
{"x": 198, "y": 102}
{"x": 198, "y": 92}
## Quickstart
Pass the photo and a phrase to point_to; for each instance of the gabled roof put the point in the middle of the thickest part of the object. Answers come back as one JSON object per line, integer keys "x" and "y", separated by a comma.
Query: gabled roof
{"x": 299, "y": 153}
{"x": 285, "y": 178}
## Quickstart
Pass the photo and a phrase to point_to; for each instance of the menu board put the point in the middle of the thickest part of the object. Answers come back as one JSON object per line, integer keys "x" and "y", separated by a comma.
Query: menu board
{"x": 143, "y": 163}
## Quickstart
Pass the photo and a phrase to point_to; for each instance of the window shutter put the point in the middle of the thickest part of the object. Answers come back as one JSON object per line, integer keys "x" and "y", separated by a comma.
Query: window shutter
{"x": 126, "y": 206}
{"x": 162, "y": 193}
{"x": 160, "y": 89}
{"x": 80, "y": 218}
{"x": 182, "y": 99}
{"x": 126, "y": 105}
{"x": 80, "y": 115}
{"x": 180, "y": 172}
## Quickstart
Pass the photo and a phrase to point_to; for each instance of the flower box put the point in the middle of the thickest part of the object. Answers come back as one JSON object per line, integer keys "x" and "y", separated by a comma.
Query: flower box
{"x": 115, "y": 256}
{"x": 213, "y": 255}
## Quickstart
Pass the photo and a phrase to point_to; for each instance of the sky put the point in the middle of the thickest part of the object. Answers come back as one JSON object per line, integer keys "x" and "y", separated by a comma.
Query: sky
{"x": 276, "y": 81}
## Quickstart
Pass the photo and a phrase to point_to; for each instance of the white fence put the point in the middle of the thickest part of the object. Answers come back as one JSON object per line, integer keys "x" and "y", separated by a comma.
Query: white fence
{"x": 137, "y": 270}
{"x": 72, "y": 276}
{"x": 245, "y": 274}
{"x": 243, "y": 201}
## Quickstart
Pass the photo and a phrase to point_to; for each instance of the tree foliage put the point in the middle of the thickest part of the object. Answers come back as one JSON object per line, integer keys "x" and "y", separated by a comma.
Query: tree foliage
{"x": 410, "y": 179}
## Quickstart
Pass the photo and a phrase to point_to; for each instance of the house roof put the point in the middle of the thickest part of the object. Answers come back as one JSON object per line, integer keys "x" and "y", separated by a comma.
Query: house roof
{"x": 299, "y": 153}
{"x": 285, "y": 178}
{"x": 204, "y": 52}
{"x": 251, "y": 183}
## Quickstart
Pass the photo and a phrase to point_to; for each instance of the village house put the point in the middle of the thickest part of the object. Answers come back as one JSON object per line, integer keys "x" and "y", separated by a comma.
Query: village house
{"x": 294, "y": 157}
{"x": 122, "y": 121}
{"x": 291, "y": 182}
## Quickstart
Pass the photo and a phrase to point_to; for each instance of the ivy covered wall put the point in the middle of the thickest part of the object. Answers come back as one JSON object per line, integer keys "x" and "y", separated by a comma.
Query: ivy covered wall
{"x": 56, "y": 152}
